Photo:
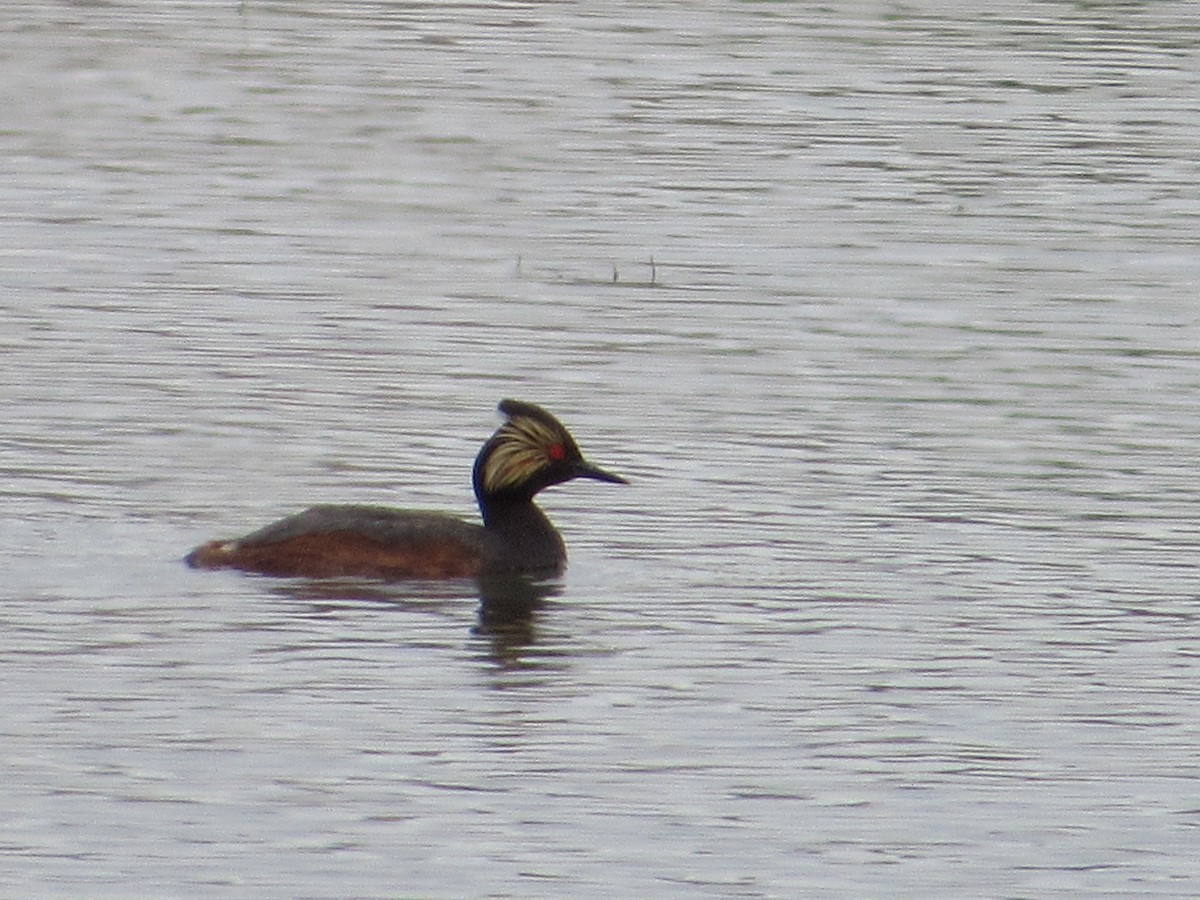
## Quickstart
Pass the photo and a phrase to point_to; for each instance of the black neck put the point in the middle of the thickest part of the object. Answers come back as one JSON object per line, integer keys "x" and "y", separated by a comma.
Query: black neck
{"x": 530, "y": 541}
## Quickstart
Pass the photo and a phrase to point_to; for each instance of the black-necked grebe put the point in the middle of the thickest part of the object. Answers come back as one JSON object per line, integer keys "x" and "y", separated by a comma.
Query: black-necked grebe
{"x": 529, "y": 452}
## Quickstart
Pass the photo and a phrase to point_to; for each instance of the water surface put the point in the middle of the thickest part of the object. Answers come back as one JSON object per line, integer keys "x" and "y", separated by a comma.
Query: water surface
{"x": 887, "y": 311}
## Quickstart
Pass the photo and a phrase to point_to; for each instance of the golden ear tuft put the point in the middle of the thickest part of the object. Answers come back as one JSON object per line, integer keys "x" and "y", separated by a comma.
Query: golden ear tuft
{"x": 529, "y": 441}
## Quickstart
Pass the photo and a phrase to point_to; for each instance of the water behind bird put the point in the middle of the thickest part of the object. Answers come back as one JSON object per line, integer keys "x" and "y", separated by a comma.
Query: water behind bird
{"x": 887, "y": 314}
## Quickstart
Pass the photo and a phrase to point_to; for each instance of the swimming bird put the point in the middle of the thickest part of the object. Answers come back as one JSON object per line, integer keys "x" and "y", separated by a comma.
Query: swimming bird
{"x": 530, "y": 451}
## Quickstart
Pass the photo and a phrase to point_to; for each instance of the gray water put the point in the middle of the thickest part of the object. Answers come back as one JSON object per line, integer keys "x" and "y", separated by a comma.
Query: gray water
{"x": 888, "y": 311}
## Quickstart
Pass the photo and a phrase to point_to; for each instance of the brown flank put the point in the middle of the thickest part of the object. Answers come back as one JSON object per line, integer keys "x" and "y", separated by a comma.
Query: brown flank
{"x": 342, "y": 553}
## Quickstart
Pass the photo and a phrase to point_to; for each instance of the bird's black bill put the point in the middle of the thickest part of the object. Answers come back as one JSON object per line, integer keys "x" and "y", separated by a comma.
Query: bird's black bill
{"x": 587, "y": 470}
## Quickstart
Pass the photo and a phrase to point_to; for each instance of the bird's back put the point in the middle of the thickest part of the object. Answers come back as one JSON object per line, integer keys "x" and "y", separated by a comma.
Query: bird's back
{"x": 329, "y": 541}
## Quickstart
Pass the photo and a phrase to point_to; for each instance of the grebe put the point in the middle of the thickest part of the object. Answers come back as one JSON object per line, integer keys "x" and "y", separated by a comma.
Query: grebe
{"x": 530, "y": 451}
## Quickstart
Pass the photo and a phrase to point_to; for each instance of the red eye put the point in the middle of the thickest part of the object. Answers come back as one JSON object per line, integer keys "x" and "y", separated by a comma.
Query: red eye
{"x": 556, "y": 452}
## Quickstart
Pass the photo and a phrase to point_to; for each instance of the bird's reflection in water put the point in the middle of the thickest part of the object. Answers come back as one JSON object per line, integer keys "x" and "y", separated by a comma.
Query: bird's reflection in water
{"x": 508, "y": 610}
{"x": 331, "y": 595}
{"x": 509, "y": 604}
